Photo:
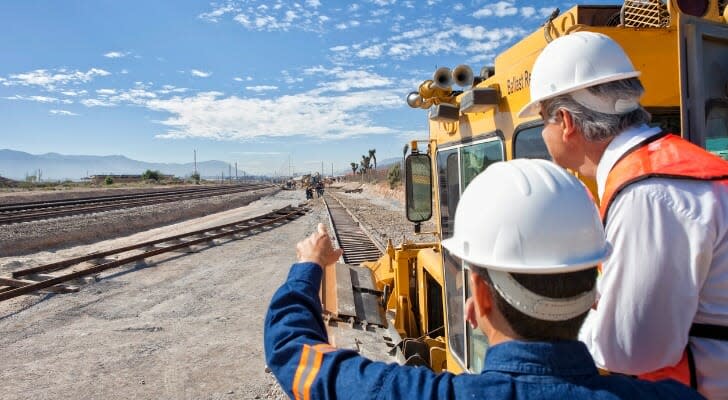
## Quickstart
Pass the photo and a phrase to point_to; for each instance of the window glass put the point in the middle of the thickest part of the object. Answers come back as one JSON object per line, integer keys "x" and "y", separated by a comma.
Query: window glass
{"x": 667, "y": 120}
{"x": 454, "y": 289}
{"x": 477, "y": 341}
{"x": 528, "y": 143}
{"x": 716, "y": 138}
{"x": 476, "y": 158}
{"x": 447, "y": 171}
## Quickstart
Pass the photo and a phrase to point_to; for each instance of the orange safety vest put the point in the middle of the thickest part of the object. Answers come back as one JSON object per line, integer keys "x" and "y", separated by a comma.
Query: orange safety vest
{"x": 668, "y": 156}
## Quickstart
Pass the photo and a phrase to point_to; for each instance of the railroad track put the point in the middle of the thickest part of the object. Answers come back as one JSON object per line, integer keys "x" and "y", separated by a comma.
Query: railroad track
{"x": 34, "y": 279}
{"x": 31, "y": 211}
{"x": 352, "y": 237}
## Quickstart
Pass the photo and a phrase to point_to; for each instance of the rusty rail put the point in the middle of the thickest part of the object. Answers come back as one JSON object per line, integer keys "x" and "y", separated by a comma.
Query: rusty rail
{"x": 352, "y": 237}
{"x": 148, "y": 249}
{"x": 22, "y": 212}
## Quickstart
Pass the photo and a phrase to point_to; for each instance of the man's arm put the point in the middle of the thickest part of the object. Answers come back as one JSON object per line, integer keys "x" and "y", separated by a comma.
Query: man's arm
{"x": 306, "y": 366}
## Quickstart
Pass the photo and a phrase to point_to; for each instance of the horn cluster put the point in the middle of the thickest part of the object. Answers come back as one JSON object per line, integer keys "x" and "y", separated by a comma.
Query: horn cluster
{"x": 439, "y": 89}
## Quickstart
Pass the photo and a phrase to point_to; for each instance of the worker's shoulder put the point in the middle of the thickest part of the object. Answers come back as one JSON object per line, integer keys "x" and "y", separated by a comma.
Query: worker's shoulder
{"x": 501, "y": 385}
{"x": 626, "y": 387}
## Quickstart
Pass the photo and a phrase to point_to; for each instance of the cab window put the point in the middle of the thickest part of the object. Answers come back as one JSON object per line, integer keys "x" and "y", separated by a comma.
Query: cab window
{"x": 528, "y": 143}
{"x": 716, "y": 133}
{"x": 457, "y": 166}
{"x": 476, "y": 158}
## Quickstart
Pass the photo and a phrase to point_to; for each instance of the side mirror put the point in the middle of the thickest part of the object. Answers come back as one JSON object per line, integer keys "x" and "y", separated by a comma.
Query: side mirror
{"x": 418, "y": 187}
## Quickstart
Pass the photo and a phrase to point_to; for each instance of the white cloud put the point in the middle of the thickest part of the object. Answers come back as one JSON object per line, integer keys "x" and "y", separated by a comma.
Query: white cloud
{"x": 74, "y": 93}
{"x": 207, "y": 115}
{"x": 214, "y": 15}
{"x": 258, "y": 153}
{"x": 49, "y": 80}
{"x": 261, "y": 88}
{"x": 282, "y": 16}
{"x": 290, "y": 16}
{"x": 96, "y": 103}
{"x": 379, "y": 12}
{"x": 38, "y": 99}
{"x": 528, "y": 11}
{"x": 499, "y": 9}
{"x": 340, "y": 107}
{"x": 63, "y": 112}
{"x": 546, "y": 11}
{"x": 341, "y": 26}
{"x": 338, "y": 48}
{"x": 382, "y": 3}
{"x": 200, "y": 74}
{"x": 116, "y": 54}
{"x": 124, "y": 71}
{"x": 106, "y": 92}
{"x": 371, "y": 51}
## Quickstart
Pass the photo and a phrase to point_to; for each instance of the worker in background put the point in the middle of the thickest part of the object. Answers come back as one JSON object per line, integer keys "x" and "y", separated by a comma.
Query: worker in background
{"x": 530, "y": 296}
{"x": 663, "y": 306}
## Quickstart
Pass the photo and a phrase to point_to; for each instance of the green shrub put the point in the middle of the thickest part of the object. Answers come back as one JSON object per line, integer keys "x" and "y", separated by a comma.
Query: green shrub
{"x": 109, "y": 180}
{"x": 195, "y": 177}
{"x": 393, "y": 175}
{"x": 152, "y": 175}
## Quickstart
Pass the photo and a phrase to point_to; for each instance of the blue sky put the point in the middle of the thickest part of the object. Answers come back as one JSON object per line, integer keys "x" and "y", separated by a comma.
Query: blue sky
{"x": 253, "y": 82}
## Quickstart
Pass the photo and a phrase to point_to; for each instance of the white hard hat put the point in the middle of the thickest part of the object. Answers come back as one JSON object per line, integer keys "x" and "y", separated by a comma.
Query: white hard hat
{"x": 528, "y": 216}
{"x": 577, "y": 61}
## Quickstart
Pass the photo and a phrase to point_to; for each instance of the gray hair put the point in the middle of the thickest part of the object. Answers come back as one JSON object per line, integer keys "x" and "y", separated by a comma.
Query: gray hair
{"x": 597, "y": 126}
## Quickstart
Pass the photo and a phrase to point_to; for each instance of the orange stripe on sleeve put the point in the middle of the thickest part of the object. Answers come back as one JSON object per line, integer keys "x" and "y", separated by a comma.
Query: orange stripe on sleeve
{"x": 318, "y": 357}
{"x": 299, "y": 372}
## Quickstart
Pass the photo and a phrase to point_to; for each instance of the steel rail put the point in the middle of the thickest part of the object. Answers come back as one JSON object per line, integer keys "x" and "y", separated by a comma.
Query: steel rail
{"x": 22, "y": 206}
{"x": 350, "y": 235}
{"x": 287, "y": 213}
{"x": 10, "y": 218}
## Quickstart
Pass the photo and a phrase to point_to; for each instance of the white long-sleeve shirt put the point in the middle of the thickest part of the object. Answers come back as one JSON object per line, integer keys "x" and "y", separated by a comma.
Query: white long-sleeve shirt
{"x": 669, "y": 268}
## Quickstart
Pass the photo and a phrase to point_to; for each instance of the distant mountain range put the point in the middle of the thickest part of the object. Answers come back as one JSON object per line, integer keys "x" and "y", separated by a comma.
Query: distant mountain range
{"x": 53, "y": 166}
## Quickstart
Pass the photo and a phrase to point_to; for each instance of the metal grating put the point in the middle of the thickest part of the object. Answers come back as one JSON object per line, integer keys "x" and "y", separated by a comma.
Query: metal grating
{"x": 645, "y": 14}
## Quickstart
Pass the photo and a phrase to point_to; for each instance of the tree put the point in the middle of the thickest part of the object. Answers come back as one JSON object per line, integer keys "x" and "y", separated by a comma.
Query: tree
{"x": 366, "y": 163}
{"x": 109, "y": 180}
{"x": 373, "y": 157}
{"x": 152, "y": 175}
{"x": 393, "y": 175}
{"x": 354, "y": 167}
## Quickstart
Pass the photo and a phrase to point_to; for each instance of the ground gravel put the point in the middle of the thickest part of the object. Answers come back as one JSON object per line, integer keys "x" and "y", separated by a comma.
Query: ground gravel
{"x": 27, "y": 237}
{"x": 179, "y": 326}
{"x": 381, "y": 211}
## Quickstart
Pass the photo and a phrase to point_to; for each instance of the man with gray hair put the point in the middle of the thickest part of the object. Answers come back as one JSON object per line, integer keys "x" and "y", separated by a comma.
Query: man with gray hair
{"x": 663, "y": 305}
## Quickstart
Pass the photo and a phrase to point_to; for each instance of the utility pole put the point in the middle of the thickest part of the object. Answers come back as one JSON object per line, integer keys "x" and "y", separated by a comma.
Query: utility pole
{"x": 236, "y": 171}
{"x": 290, "y": 174}
{"x": 322, "y": 170}
{"x": 332, "y": 170}
{"x": 230, "y": 173}
{"x": 195, "y": 157}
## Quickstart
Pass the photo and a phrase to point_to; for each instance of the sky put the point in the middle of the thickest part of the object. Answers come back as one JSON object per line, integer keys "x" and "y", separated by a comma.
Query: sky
{"x": 276, "y": 86}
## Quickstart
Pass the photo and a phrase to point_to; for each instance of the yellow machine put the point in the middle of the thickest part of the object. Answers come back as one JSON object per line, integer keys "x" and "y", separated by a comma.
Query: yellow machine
{"x": 681, "y": 48}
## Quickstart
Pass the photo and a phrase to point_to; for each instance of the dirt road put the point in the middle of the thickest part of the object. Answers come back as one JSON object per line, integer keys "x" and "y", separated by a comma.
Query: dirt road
{"x": 185, "y": 327}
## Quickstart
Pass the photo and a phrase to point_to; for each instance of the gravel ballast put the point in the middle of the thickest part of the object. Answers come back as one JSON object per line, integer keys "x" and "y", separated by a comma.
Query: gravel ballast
{"x": 181, "y": 326}
{"x": 26, "y": 237}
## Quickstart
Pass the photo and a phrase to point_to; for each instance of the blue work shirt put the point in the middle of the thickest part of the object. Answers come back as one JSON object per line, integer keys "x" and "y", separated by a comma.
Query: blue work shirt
{"x": 307, "y": 367}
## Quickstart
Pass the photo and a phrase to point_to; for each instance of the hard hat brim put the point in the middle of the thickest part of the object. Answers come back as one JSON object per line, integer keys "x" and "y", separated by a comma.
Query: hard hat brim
{"x": 531, "y": 109}
{"x": 455, "y": 247}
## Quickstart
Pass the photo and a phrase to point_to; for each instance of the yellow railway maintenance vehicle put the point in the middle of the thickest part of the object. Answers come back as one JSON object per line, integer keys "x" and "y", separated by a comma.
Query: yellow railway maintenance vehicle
{"x": 681, "y": 48}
